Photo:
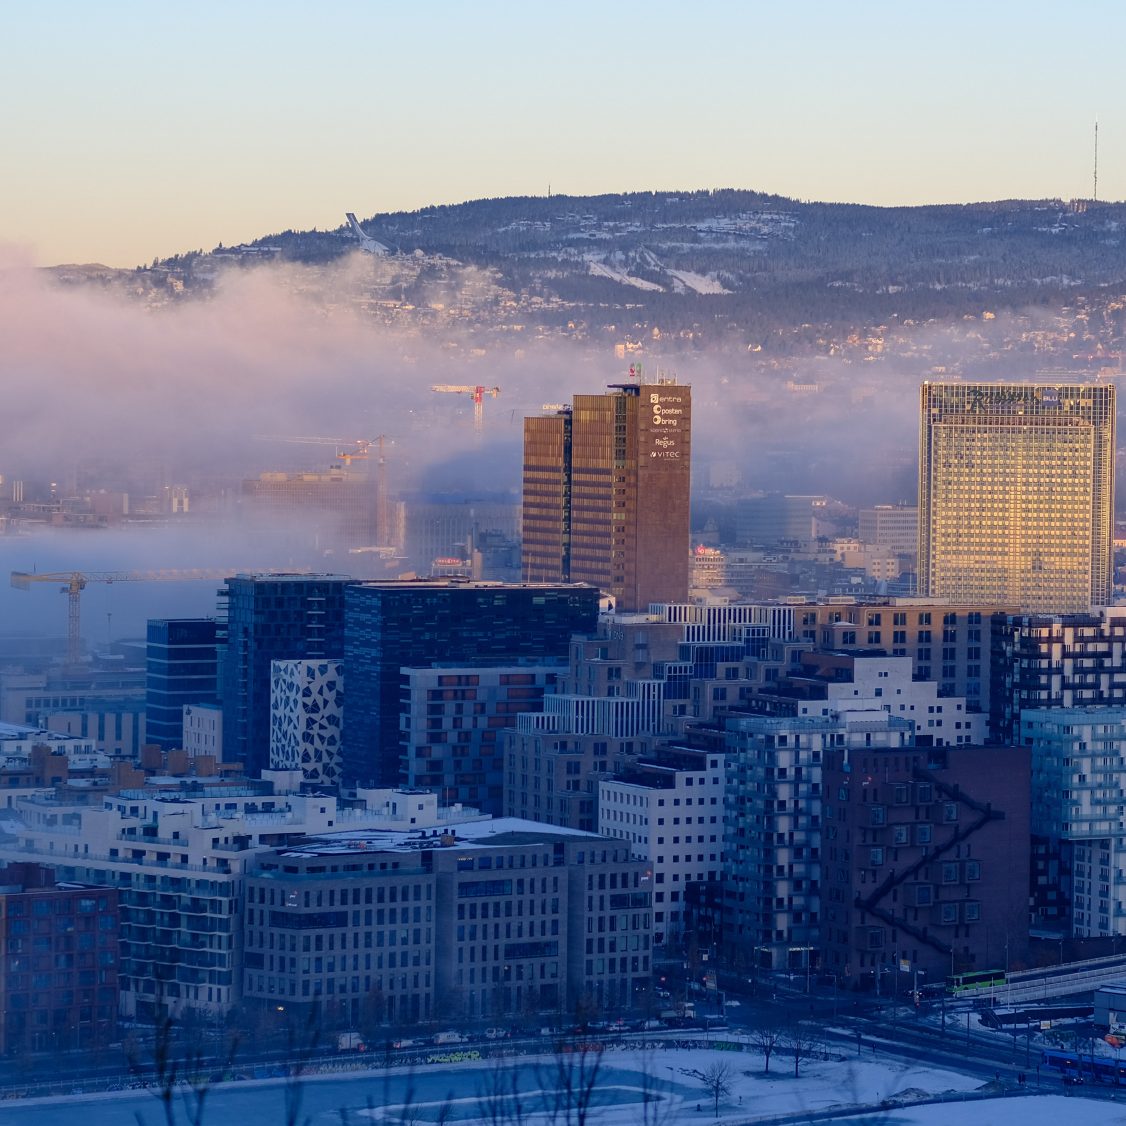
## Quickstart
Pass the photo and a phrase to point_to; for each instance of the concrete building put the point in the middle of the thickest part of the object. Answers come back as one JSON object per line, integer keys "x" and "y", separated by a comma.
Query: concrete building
{"x": 59, "y": 988}
{"x": 203, "y": 730}
{"x": 1016, "y": 494}
{"x": 772, "y": 885}
{"x": 179, "y": 850}
{"x": 946, "y": 643}
{"x": 833, "y": 681}
{"x": 606, "y": 494}
{"x": 893, "y": 526}
{"x": 669, "y": 808}
{"x": 924, "y": 863}
{"x": 339, "y": 504}
{"x": 486, "y": 922}
{"x": 776, "y": 748}
{"x": 397, "y": 625}
{"x": 638, "y": 680}
{"x": 106, "y": 705}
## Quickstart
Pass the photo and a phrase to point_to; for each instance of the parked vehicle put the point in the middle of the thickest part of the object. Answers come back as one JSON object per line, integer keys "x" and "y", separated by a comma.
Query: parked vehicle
{"x": 449, "y": 1038}
{"x": 350, "y": 1042}
{"x": 497, "y": 1034}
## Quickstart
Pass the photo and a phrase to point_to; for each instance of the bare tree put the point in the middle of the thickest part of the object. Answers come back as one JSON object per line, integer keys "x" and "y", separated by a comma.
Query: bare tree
{"x": 498, "y": 1096}
{"x": 799, "y": 1041}
{"x": 569, "y": 1081}
{"x": 716, "y": 1080}
{"x": 767, "y": 1038}
{"x": 656, "y": 1106}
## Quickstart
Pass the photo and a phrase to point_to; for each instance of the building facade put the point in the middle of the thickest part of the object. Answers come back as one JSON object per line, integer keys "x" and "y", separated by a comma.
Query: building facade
{"x": 181, "y": 669}
{"x": 492, "y": 921}
{"x": 59, "y": 946}
{"x": 396, "y": 625}
{"x": 1016, "y": 494}
{"x": 924, "y": 862}
{"x": 450, "y": 723}
{"x": 306, "y": 717}
{"x": 669, "y": 808}
{"x": 606, "y": 494}
{"x": 1069, "y": 661}
{"x": 1078, "y": 800}
{"x": 267, "y": 618}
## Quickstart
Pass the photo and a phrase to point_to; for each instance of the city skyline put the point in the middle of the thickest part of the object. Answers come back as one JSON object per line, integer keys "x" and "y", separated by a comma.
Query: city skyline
{"x": 263, "y": 124}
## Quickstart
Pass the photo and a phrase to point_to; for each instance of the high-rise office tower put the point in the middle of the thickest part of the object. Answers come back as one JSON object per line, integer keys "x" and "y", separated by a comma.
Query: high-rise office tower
{"x": 180, "y": 669}
{"x": 267, "y": 618}
{"x": 606, "y": 492}
{"x": 1016, "y": 494}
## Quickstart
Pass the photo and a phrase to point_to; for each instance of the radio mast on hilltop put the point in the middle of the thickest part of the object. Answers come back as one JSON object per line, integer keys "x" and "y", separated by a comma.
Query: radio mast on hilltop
{"x": 1095, "y": 192}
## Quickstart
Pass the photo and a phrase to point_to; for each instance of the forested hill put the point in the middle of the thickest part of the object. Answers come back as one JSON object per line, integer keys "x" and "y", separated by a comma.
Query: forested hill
{"x": 745, "y": 254}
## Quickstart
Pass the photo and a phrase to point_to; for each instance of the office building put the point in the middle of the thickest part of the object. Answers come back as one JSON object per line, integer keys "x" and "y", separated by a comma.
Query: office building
{"x": 894, "y": 526}
{"x": 394, "y": 626}
{"x": 488, "y": 921}
{"x": 262, "y": 619}
{"x": 1016, "y": 494}
{"x": 606, "y": 494}
{"x": 181, "y": 669}
{"x": 178, "y": 849}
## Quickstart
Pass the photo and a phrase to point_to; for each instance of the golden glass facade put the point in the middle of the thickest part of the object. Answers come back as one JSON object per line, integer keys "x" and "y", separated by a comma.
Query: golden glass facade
{"x": 1016, "y": 494}
{"x": 606, "y": 494}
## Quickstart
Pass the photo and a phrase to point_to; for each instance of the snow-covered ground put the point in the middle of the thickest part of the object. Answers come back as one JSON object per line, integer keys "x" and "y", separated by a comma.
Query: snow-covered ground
{"x": 455, "y": 1093}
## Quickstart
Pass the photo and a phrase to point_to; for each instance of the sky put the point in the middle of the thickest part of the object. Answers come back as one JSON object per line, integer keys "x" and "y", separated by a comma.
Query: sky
{"x": 133, "y": 130}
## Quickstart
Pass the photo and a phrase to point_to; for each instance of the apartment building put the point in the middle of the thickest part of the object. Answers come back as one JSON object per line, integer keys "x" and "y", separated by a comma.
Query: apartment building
{"x": 924, "y": 862}
{"x": 1078, "y": 800}
{"x": 1066, "y": 661}
{"x": 669, "y": 808}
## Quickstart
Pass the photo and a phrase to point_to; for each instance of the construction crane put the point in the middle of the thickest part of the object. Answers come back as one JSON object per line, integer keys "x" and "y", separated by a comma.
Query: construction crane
{"x": 478, "y": 392}
{"x": 360, "y": 450}
{"x": 75, "y": 582}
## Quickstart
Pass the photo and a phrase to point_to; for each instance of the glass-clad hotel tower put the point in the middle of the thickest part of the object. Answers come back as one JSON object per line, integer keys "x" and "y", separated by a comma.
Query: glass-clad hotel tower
{"x": 1016, "y": 494}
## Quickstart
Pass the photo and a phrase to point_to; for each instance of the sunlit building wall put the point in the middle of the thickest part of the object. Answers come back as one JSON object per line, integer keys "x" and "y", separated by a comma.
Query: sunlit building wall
{"x": 1016, "y": 494}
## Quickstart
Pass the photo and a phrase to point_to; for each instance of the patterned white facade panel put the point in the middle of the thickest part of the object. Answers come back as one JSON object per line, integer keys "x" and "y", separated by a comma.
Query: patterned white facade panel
{"x": 306, "y": 708}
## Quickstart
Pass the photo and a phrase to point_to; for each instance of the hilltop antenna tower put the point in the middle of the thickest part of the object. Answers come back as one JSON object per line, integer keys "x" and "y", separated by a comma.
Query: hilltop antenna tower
{"x": 1095, "y": 193}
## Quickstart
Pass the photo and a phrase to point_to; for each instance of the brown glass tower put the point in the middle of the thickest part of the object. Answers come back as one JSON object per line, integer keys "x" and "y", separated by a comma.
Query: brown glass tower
{"x": 606, "y": 489}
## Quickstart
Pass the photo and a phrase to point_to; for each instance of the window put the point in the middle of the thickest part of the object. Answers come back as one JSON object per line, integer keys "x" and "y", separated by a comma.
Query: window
{"x": 876, "y": 857}
{"x": 950, "y": 873}
{"x": 949, "y": 913}
{"x": 971, "y": 911}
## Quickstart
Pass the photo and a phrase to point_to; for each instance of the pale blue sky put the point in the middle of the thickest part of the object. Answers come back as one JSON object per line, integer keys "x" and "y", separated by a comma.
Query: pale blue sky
{"x": 134, "y": 128}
